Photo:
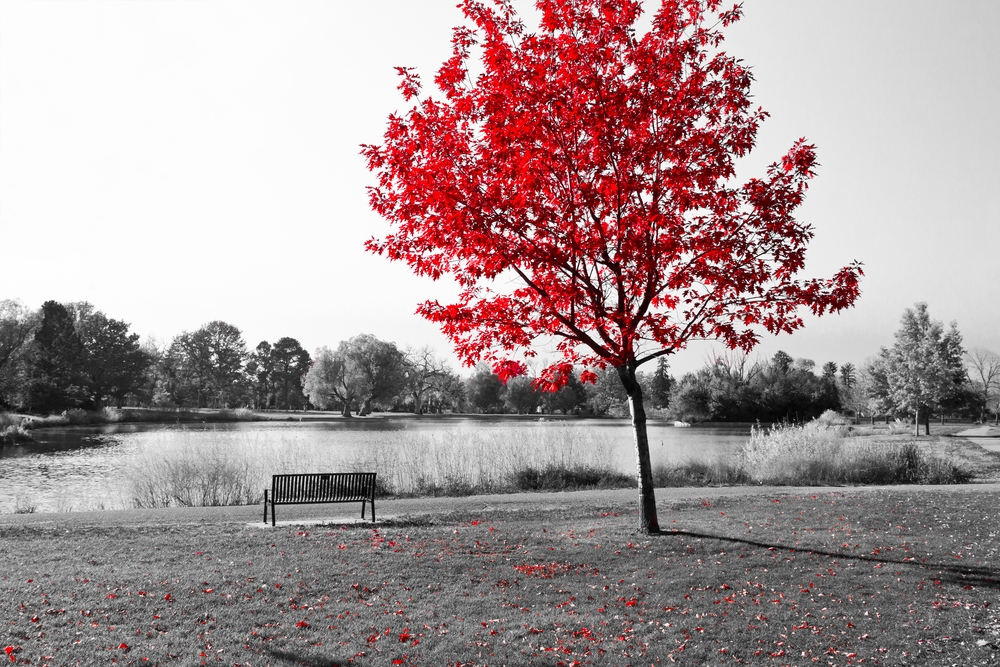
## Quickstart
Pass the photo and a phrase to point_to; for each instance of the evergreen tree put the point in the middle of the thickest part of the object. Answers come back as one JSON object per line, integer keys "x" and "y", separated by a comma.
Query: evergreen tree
{"x": 55, "y": 373}
{"x": 661, "y": 384}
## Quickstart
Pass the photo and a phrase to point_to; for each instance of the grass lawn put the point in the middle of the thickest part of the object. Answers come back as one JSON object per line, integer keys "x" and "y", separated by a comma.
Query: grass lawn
{"x": 890, "y": 577}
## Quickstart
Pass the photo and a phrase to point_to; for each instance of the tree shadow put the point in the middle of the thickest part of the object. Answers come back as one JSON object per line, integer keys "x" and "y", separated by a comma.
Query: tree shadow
{"x": 296, "y": 658}
{"x": 982, "y": 577}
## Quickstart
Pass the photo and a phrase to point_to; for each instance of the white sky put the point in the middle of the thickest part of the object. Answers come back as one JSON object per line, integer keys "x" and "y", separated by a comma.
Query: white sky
{"x": 176, "y": 162}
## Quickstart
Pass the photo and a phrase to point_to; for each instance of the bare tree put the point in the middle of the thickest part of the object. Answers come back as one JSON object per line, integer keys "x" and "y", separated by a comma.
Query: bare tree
{"x": 983, "y": 368}
{"x": 425, "y": 372}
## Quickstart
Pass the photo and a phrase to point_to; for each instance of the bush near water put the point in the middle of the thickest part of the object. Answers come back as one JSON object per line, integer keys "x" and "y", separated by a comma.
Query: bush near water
{"x": 826, "y": 451}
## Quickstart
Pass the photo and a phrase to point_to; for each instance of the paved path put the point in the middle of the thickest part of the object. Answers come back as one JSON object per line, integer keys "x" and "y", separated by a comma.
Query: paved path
{"x": 465, "y": 508}
{"x": 987, "y": 437}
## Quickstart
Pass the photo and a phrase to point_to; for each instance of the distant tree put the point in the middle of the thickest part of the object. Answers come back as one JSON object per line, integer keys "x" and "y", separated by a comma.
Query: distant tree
{"x": 782, "y": 362}
{"x": 17, "y": 328}
{"x": 692, "y": 397}
{"x": 828, "y": 384}
{"x": 726, "y": 389}
{"x": 848, "y": 375}
{"x": 734, "y": 387}
{"x": 873, "y": 385}
{"x": 661, "y": 384}
{"x": 380, "y": 368}
{"x": 520, "y": 396}
{"x": 983, "y": 369}
{"x": 205, "y": 368}
{"x": 260, "y": 370}
{"x": 290, "y": 363}
{"x": 56, "y": 380}
{"x": 152, "y": 391}
{"x": 848, "y": 389}
{"x": 789, "y": 390}
{"x": 448, "y": 396}
{"x": 227, "y": 353}
{"x": 484, "y": 390}
{"x": 606, "y": 395}
{"x": 568, "y": 399}
{"x": 425, "y": 374}
{"x": 114, "y": 362}
{"x": 326, "y": 383}
{"x": 923, "y": 365}
{"x": 362, "y": 370}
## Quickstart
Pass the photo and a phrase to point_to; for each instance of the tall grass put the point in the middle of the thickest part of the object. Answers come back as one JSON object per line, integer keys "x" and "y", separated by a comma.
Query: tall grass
{"x": 12, "y": 435}
{"x": 232, "y": 467}
{"x": 822, "y": 452}
{"x": 491, "y": 461}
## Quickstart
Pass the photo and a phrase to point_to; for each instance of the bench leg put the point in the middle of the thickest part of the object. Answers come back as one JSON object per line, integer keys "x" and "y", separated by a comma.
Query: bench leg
{"x": 273, "y": 518}
{"x": 265, "y": 507}
{"x": 363, "y": 509}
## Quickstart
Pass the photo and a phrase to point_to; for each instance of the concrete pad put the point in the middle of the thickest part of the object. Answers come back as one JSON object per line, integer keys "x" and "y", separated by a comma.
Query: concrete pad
{"x": 326, "y": 522}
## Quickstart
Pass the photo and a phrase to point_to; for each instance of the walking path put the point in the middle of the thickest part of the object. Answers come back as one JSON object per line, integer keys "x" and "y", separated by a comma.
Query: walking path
{"x": 987, "y": 437}
{"x": 463, "y": 508}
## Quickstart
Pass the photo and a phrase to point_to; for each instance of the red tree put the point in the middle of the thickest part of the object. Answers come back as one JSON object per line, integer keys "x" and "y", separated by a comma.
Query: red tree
{"x": 592, "y": 169}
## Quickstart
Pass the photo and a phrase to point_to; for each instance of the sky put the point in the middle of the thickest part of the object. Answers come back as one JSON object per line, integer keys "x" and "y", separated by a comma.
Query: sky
{"x": 176, "y": 162}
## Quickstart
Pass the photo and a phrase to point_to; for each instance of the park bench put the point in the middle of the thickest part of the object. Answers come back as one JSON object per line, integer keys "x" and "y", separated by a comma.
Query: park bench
{"x": 310, "y": 488}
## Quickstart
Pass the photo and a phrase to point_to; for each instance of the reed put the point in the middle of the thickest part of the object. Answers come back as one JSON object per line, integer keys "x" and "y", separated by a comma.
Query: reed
{"x": 818, "y": 453}
{"x": 232, "y": 467}
{"x": 13, "y": 435}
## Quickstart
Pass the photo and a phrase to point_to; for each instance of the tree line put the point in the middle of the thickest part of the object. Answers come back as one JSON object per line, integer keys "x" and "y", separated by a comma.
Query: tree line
{"x": 925, "y": 373}
{"x": 65, "y": 356}
{"x": 73, "y": 355}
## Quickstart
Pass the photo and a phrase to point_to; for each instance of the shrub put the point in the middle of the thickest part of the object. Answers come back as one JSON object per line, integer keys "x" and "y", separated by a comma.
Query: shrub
{"x": 237, "y": 414}
{"x": 12, "y": 435}
{"x": 77, "y": 416}
{"x": 562, "y": 478}
{"x": 717, "y": 472}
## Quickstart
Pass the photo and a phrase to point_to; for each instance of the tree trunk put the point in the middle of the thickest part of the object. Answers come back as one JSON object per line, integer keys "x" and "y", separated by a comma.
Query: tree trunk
{"x": 345, "y": 411}
{"x": 366, "y": 407}
{"x": 927, "y": 421}
{"x": 916, "y": 421}
{"x": 647, "y": 500}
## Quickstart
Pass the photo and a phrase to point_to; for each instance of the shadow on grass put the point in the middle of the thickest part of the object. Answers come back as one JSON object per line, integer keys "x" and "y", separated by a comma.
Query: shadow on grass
{"x": 296, "y": 658}
{"x": 982, "y": 577}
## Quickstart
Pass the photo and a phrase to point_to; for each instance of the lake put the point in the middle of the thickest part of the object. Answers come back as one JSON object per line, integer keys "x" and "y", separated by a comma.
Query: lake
{"x": 122, "y": 466}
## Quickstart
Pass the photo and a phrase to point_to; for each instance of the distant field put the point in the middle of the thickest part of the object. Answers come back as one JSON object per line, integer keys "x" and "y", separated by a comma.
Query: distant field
{"x": 891, "y": 577}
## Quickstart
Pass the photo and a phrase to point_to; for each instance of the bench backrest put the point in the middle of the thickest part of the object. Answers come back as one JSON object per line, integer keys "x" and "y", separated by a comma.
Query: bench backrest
{"x": 323, "y": 487}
